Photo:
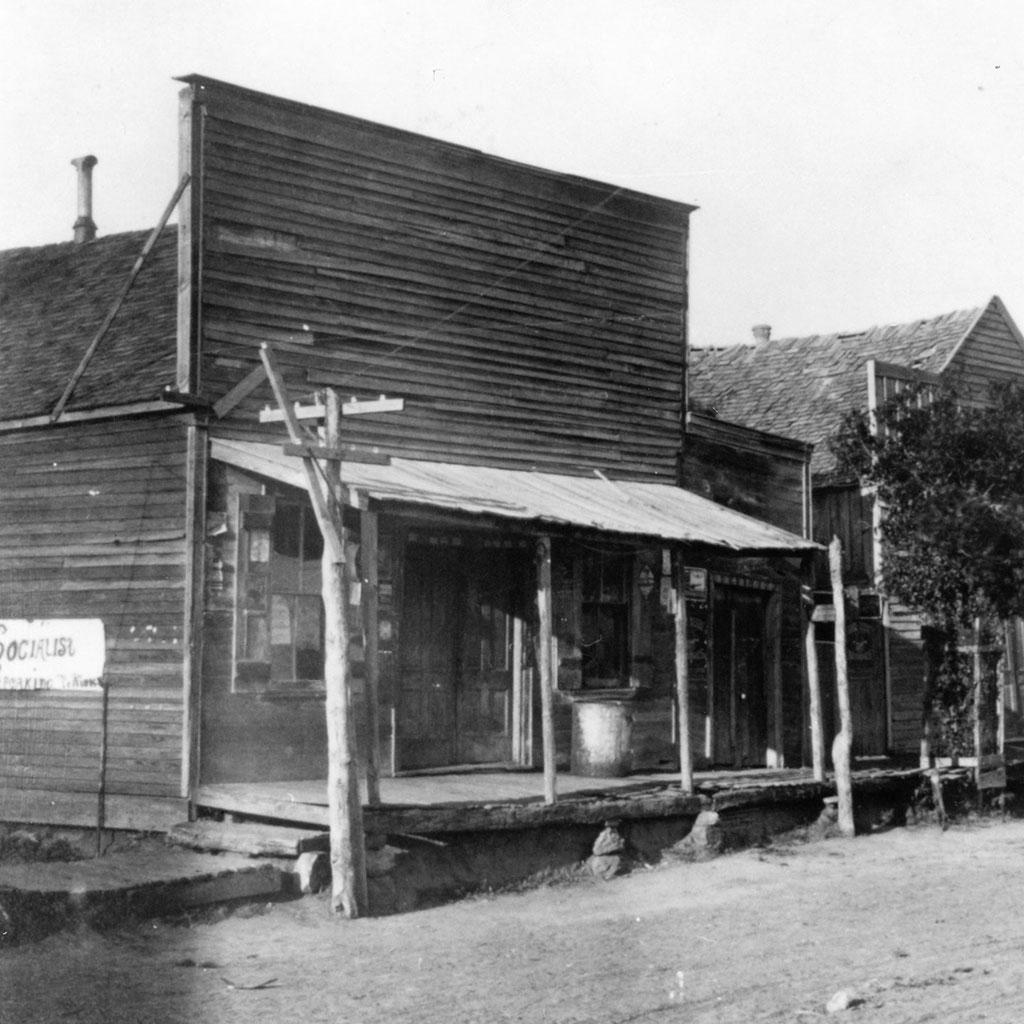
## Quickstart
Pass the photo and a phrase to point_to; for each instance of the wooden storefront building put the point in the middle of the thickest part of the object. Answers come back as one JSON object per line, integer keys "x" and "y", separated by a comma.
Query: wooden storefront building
{"x": 801, "y": 388}
{"x": 528, "y": 331}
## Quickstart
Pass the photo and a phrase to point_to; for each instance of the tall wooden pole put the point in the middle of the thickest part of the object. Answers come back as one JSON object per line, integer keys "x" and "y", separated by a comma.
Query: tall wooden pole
{"x": 344, "y": 807}
{"x": 683, "y": 678}
{"x": 978, "y": 675}
{"x": 546, "y": 669}
{"x": 813, "y": 680}
{"x": 371, "y": 642}
{"x": 843, "y": 742}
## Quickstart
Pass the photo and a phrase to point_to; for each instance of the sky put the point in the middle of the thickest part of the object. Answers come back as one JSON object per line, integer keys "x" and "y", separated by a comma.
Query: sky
{"x": 854, "y": 162}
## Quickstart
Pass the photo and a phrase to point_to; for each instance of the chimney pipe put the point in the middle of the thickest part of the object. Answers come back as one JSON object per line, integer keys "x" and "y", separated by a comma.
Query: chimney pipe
{"x": 85, "y": 226}
{"x": 762, "y": 333}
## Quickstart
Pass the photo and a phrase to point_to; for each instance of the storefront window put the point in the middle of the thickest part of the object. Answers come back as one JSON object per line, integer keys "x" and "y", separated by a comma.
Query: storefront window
{"x": 604, "y": 620}
{"x": 279, "y": 630}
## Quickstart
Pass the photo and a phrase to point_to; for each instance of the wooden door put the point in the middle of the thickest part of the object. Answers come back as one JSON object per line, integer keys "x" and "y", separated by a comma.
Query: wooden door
{"x": 484, "y": 704}
{"x": 431, "y": 623}
{"x": 865, "y": 667}
{"x": 458, "y": 657}
{"x": 865, "y": 663}
{"x": 738, "y": 670}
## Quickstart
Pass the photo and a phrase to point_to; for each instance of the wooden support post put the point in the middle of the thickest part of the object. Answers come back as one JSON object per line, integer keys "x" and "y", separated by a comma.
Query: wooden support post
{"x": 683, "y": 677}
{"x": 546, "y": 669}
{"x": 371, "y": 637}
{"x": 842, "y": 744}
{"x": 101, "y": 789}
{"x": 979, "y": 733}
{"x": 773, "y": 626}
{"x": 811, "y": 667}
{"x": 1005, "y": 667}
{"x": 344, "y": 807}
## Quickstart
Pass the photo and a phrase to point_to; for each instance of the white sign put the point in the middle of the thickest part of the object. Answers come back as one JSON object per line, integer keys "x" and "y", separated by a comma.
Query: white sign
{"x": 51, "y": 654}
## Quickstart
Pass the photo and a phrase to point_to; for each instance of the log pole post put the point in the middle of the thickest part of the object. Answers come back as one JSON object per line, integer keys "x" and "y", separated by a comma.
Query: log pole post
{"x": 843, "y": 742}
{"x": 371, "y": 644}
{"x": 544, "y": 664}
{"x": 682, "y": 677}
{"x": 813, "y": 680}
{"x": 344, "y": 806}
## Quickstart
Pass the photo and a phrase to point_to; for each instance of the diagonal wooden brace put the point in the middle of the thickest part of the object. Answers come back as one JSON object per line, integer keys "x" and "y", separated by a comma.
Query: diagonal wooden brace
{"x": 328, "y": 518}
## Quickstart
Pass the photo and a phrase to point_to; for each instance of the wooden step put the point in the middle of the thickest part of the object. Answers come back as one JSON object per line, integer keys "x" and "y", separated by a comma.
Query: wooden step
{"x": 250, "y": 838}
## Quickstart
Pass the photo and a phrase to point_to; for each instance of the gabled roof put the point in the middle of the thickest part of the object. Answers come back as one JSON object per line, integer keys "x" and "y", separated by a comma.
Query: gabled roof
{"x": 802, "y": 387}
{"x": 54, "y": 298}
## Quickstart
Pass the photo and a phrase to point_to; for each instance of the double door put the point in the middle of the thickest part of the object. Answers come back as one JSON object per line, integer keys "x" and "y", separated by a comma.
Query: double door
{"x": 459, "y": 647}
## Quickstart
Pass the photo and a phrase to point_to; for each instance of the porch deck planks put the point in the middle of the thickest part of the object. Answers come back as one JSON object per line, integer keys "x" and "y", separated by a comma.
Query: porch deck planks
{"x": 484, "y": 801}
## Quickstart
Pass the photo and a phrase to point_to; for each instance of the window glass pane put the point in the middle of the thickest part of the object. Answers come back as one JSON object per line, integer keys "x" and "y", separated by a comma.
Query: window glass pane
{"x": 312, "y": 541}
{"x": 282, "y": 634}
{"x": 309, "y": 638}
{"x": 256, "y": 639}
{"x": 286, "y": 538}
{"x": 603, "y": 645}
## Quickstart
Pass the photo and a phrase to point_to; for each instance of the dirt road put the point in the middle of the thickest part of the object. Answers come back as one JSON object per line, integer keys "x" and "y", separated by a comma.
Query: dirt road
{"x": 915, "y": 924}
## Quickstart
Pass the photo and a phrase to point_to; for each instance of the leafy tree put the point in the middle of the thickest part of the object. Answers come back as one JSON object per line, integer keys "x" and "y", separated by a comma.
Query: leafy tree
{"x": 949, "y": 475}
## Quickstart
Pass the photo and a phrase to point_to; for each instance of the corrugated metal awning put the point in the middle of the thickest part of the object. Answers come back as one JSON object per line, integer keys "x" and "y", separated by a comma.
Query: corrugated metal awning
{"x": 623, "y": 507}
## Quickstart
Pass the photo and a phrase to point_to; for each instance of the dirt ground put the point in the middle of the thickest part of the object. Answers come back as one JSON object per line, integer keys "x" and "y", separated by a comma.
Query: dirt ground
{"x": 914, "y": 924}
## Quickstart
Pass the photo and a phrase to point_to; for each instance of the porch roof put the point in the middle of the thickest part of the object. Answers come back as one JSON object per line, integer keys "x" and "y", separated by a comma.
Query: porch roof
{"x": 625, "y": 507}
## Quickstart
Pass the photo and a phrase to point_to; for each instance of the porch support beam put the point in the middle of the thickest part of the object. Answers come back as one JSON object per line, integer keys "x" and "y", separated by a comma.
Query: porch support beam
{"x": 544, "y": 664}
{"x": 682, "y": 676}
{"x": 344, "y": 805}
{"x": 842, "y": 745}
{"x": 370, "y": 557}
{"x": 811, "y": 670}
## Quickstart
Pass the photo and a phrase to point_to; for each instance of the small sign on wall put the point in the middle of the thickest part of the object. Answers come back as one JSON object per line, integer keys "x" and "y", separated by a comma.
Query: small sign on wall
{"x": 51, "y": 654}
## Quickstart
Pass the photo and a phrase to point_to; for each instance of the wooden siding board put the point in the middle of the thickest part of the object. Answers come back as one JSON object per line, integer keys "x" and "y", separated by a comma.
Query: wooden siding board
{"x": 449, "y": 164}
{"x": 991, "y": 354}
{"x": 754, "y": 481}
{"x": 144, "y": 813}
{"x": 376, "y": 186}
{"x": 402, "y": 265}
{"x": 336, "y": 301}
{"x": 117, "y": 556}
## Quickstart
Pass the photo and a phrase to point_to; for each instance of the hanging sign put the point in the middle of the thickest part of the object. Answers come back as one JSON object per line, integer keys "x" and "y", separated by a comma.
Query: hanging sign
{"x": 51, "y": 654}
{"x": 696, "y": 584}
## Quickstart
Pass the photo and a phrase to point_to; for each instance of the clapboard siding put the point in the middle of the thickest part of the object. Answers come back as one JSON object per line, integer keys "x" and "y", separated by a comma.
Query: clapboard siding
{"x": 747, "y": 470}
{"x": 907, "y": 669}
{"x": 93, "y": 524}
{"x": 846, "y": 513}
{"x": 991, "y": 354}
{"x": 528, "y": 318}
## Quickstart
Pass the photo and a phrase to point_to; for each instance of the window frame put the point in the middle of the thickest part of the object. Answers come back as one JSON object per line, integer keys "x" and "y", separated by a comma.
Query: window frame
{"x": 255, "y": 663}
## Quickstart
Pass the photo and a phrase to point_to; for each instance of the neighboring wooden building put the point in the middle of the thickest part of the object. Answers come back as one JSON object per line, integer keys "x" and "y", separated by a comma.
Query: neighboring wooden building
{"x": 533, "y": 323}
{"x": 802, "y": 387}
{"x": 753, "y": 619}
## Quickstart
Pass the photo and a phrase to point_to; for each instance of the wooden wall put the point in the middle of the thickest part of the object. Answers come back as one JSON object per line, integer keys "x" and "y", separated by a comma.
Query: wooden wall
{"x": 991, "y": 354}
{"x": 93, "y": 525}
{"x": 747, "y": 470}
{"x": 528, "y": 318}
{"x": 845, "y": 512}
{"x": 907, "y": 668}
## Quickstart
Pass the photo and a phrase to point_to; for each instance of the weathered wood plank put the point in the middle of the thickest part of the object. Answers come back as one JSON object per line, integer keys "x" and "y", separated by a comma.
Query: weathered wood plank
{"x": 254, "y": 840}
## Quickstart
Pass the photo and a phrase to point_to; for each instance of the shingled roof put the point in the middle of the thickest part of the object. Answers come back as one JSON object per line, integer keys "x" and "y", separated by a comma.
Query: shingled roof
{"x": 53, "y": 299}
{"x": 801, "y": 387}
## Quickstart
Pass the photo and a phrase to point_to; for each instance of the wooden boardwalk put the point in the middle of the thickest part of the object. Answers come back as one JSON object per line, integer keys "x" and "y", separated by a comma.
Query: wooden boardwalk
{"x": 490, "y": 799}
